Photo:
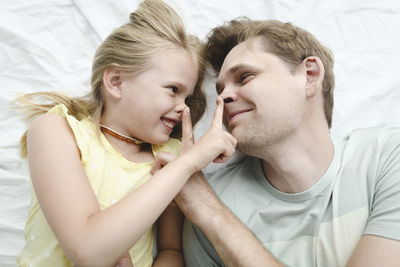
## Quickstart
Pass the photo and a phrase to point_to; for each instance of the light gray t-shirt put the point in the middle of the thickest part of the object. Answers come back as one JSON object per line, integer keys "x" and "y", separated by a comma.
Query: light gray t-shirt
{"x": 359, "y": 194}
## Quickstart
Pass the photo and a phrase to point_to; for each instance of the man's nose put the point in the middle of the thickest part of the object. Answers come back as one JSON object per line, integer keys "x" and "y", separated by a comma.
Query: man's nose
{"x": 229, "y": 95}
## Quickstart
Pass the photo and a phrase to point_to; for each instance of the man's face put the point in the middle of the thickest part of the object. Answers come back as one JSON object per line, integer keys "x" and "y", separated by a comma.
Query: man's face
{"x": 264, "y": 100}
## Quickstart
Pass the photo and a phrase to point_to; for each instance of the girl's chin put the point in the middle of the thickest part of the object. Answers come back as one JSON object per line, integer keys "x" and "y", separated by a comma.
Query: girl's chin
{"x": 160, "y": 141}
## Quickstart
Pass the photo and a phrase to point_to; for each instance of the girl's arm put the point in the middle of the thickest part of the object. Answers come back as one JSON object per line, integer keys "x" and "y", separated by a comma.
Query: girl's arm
{"x": 90, "y": 236}
{"x": 169, "y": 238}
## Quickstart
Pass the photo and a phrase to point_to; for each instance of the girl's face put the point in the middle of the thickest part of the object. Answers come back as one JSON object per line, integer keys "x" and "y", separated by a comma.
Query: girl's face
{"x": 152, "y": 102}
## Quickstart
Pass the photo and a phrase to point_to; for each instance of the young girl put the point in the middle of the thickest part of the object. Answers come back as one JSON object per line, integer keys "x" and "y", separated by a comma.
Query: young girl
{"x": 90, "y": 158}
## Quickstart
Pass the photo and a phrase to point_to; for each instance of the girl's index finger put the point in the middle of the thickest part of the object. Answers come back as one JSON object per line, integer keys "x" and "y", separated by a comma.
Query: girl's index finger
{"x": 218, "y": 114}
{"x": 187, "y": 130}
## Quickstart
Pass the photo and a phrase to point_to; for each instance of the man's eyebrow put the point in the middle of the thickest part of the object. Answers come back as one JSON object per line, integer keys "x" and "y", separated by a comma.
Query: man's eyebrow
{"x": 239, "y": 66}
{"x": 232, "y": 71}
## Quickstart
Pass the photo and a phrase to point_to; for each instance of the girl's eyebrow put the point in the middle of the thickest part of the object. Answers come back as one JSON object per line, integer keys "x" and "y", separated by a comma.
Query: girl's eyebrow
{"x": 179, "y": 85}
{"x": 176, "y": 83}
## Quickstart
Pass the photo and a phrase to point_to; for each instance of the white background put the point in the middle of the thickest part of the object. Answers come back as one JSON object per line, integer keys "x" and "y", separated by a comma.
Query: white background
{"x": 48, "y": 45}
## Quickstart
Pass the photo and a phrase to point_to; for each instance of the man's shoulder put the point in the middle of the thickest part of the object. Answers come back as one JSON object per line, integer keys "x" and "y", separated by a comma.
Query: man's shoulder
{"x": 369, "y": 150}
{"x": 378, "y": 137}
{"x": 380, "y": 132}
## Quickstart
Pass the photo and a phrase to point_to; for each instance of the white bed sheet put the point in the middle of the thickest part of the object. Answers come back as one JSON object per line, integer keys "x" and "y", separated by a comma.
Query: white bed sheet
{"x": 48, "y": 45}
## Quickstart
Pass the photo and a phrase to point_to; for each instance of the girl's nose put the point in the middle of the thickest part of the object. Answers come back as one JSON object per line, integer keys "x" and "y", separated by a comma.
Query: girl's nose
{"x": 180, "y": 107}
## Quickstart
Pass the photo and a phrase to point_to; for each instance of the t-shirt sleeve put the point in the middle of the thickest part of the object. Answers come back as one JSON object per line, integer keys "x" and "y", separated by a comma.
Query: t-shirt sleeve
{"x": 384, "y": 219}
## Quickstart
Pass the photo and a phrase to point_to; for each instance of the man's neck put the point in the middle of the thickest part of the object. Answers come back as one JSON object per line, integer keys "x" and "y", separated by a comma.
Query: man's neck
{"x": 299, "y": 162}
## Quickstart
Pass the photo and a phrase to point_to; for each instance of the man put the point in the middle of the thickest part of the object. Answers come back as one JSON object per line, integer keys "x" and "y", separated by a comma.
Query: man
{"x": 301, "y": 196}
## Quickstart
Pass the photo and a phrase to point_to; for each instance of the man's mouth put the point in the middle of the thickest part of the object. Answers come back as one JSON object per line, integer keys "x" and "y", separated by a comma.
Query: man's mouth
{"x": 234, "y": 114}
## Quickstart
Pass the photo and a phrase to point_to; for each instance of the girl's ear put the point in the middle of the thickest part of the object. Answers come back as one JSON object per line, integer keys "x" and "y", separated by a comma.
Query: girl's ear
{"x": 315, "y": 73}
{"x": 112, "y": 81}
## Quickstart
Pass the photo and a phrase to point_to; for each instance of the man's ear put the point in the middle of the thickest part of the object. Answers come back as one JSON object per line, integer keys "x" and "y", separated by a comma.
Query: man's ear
{"x": 315, "y": 72}
{"x": 112, "y": 81}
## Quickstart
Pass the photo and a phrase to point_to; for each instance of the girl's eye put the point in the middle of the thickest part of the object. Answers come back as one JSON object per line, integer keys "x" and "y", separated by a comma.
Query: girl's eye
{"x": 173, "y": 89}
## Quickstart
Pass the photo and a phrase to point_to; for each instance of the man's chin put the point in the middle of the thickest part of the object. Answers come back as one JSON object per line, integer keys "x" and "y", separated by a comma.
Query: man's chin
{"x": 235, "y": 132}
{"x": 242, "y": 142}
{"x": 248, "y": 149}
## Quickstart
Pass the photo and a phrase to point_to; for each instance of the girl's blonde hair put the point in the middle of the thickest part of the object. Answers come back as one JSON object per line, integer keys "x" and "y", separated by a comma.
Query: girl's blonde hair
{"x": 131, "y": 48}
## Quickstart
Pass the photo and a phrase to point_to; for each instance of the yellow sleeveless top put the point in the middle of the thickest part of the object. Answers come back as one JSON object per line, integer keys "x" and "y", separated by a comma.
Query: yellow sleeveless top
{"x": 111, "y": 177}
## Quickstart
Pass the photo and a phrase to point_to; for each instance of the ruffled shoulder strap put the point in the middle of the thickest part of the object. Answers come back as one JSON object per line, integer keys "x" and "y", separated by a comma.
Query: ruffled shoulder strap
{"x": 172, "y": 146}
{"x": 82, "y": 131}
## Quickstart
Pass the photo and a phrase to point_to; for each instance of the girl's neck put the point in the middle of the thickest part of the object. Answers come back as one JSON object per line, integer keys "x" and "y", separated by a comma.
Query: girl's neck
{"x": 120, "y": 136}
{"x": 130, "y": 148}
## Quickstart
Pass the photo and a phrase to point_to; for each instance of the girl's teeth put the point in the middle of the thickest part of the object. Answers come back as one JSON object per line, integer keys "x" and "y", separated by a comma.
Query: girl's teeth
{"x": 169, "y": 125}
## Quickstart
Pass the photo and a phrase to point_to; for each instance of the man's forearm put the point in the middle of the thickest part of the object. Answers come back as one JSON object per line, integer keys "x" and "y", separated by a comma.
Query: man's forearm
{"x": 235, "y": 243}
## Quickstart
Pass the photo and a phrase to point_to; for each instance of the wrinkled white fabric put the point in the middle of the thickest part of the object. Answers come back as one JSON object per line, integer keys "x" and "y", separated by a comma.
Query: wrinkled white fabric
{"x": 48, "y": 45}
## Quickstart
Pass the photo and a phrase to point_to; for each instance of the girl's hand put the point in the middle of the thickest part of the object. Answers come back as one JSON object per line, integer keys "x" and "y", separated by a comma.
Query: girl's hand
{"x": 216, "y": 145}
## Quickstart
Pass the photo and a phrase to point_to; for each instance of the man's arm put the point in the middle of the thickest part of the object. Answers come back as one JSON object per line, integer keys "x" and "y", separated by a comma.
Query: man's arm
{"x": 374, "y": 249}
{"x": 234, "y": 243}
